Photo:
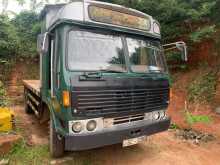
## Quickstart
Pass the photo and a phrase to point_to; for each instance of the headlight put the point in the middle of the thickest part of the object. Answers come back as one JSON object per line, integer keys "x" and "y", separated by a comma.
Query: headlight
{"x": 91, "y": 125}
{"x": 77, "y": 127}
{"x": 156, "y": 28}
{"x": 85, "y": 126}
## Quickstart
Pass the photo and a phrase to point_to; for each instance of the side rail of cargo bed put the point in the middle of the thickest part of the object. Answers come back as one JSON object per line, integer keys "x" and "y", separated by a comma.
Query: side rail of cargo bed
{"x": 32, "y": 96}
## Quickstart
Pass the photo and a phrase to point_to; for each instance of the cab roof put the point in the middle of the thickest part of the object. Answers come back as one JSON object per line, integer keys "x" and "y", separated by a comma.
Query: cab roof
{"x": 77, "y": 11}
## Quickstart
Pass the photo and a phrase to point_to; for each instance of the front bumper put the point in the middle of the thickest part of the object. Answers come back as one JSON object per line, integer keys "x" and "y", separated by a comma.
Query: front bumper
{"x": 114, "y": 135}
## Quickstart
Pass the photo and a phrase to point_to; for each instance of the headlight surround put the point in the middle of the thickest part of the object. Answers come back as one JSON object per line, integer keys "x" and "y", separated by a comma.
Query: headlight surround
{"x": 156, "y": 28}
{"x": 85, "y": 126}
{"x": 156, "y": 115}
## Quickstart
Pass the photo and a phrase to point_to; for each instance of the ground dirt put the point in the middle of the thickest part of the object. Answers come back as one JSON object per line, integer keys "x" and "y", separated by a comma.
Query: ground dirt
{"x": 161, "y": 149}
{"x": 7, "y": 141}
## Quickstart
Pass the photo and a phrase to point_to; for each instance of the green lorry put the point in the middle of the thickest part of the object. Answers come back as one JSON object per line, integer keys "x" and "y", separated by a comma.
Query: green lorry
{"x": 103, "y": 76}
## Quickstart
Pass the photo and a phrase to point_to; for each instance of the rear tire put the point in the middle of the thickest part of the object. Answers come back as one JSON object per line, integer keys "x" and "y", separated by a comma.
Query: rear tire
{"x": 56, "y": 143}
{"x": 28, "y": 109}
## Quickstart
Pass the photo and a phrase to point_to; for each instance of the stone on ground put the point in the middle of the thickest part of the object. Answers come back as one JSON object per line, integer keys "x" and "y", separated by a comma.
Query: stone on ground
{"x": 217, "y": 110}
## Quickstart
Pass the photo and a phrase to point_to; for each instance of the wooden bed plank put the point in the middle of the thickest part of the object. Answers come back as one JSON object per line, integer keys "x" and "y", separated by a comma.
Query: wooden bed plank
{"x": 33, "y": 85}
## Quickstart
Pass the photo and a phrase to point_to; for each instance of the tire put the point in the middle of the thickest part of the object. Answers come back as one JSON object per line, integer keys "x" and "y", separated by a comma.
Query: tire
{"x": 28, "y": 109}
{"x": 56, "y": 144}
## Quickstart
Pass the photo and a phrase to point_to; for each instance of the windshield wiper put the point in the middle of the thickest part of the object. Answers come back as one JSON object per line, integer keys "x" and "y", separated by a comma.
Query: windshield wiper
{"x": 155, "y": 71}
{"x": 97, "y": 74}
{"x": 112, "y": 71}
{"x": 91, "y": 76}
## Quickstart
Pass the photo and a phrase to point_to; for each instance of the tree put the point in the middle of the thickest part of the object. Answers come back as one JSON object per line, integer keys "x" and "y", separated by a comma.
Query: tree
{"x": 8, "y": 38}
{"x": 174, "y": 15}
{"x": 27, "y": 28}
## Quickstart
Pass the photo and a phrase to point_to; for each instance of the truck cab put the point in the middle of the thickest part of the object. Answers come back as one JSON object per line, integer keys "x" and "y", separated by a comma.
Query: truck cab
{"x": 103, "y": 76}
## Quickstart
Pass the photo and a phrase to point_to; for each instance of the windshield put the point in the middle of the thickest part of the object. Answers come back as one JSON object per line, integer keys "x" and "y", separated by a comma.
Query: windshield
{"x": 145, "y": 57}
{"x": 88, "y": 51}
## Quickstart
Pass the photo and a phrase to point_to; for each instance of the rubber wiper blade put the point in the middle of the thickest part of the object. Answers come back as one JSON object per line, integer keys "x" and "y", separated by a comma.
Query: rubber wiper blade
{"x": 112, "y": 71}
{"x": 97, "y": 74}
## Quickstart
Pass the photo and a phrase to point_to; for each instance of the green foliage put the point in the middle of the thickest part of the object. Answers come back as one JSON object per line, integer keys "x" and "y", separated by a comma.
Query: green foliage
{"x": 192, "y": 119}
{"x": 173, "y": 56}
{"x": 203, "y": 88}
{"x": 200, "y": 9}
{"x": 215, "y": 12}
{"x": 175, "y": 16}
{"x": 202, "y": 33}
{"x": 8, "y": 38}
{"x": 23, "y": 154}
{"x": 3, "y": 97}
{"x": 27, "y": 27}
{"x": 18, "y": 36}
{"x": 174, "y": 126}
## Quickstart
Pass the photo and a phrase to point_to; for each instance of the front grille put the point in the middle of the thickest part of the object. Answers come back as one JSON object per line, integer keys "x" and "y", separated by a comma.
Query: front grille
{"x": 107, "y": 102}
{"x": 109, "y": 122}
{"x": 127, "y": 119}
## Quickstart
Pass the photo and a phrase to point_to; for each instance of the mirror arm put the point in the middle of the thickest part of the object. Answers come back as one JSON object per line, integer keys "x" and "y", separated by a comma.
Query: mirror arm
{"x": 174, "y": 44}
{"x": 185, "y": 51}
{"x": 171, "y": 48}
{"x": 181, "y": 46}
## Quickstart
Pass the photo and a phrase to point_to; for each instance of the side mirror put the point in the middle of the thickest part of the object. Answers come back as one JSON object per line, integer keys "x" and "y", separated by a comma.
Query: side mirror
{"x": 43, "y": 43}
{"x": 180, "y": 46}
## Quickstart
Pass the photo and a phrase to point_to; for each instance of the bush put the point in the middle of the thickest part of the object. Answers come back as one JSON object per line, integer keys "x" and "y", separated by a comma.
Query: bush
{"x": 8, "y": 38}
{"x": 203, "y": 88}
{"x": 19, "y": 36}
{"x": 3, "y": 98}
{"x": 202, "y": 33}
{"x": 27, "y": 27}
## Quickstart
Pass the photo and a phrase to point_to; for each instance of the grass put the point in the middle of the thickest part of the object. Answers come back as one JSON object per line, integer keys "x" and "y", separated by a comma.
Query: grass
{"x": 18, "y": 129}
{"x": 192, "y": 119}
{"x": 174, "y": 126}
{"x": 22, "y": 154}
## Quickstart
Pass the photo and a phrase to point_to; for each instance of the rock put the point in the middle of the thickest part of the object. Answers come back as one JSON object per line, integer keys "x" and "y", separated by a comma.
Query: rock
{"x": 61, "y": 161}
{"x": 6, "y": 142}
{"x": 4, "y": 162}
{"x": 217, "y": 110}
{"x": 195, "y": 136}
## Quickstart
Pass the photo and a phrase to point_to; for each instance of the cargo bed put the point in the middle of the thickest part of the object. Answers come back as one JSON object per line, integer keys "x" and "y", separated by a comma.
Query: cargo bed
{"x": 32, "y": 96}
{"x": 33, "y": 85}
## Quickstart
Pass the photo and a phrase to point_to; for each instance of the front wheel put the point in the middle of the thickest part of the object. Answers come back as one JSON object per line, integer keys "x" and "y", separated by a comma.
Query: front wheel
{"x": 56, "y": 142}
